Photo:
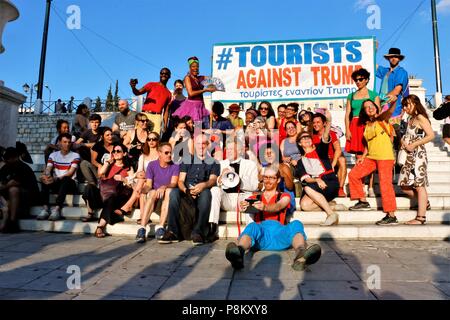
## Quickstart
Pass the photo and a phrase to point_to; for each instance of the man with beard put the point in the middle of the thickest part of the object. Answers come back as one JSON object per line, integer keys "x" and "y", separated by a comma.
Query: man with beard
{"x": 124, "y": 121}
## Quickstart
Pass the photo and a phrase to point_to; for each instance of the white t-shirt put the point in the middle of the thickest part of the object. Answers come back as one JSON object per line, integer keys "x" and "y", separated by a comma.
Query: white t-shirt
{"x": 62, "y": 163}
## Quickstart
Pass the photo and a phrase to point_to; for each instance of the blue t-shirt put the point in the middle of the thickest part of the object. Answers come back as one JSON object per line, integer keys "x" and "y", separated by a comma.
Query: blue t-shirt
{"x": 398, "y": 76}
{"x": 161, "y": 176}
{"x": 199, "y": 171}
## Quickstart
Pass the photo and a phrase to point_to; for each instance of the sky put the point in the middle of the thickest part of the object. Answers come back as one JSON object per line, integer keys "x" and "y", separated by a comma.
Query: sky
{"x": 119, "y": 40}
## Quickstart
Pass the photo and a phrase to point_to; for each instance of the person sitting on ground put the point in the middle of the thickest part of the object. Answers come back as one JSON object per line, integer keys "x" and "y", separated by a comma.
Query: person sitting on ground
{"x": 114, "y": 187}
{"x": 124, "y": 120}
{"x": 196, "y": 179}
{"x": 19, "y": 187}
{"x": 62, "y": 126}
{"x": 338, "y": 162}
{"x": 149, "y": 153}
{"x": 161, "y": 177}
{"x": 59, "y": 177}
{"x": 227, "y": 198}
{"x": 320, "y": 184}
{"x": 89, "y": 138}
{"x": 270, "y": 231}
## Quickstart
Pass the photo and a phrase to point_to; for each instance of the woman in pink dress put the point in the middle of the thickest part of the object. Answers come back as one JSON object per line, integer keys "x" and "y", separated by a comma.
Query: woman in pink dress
{"x": 194, "y": 106}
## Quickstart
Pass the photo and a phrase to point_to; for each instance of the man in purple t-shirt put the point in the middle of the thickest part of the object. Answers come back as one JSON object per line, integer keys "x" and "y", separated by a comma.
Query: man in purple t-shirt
{"x": 162, "y": 176}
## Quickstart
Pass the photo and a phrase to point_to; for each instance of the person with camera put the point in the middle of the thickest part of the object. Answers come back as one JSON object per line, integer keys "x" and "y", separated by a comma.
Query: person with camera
{"x": 238, "y": 180}
{"x": 18, "y": 186}
{"x": 269, "y": 231}
{"x": 190, "y": 203}
{"x": 157, "y": 100}
{"x": 59, "y": 177}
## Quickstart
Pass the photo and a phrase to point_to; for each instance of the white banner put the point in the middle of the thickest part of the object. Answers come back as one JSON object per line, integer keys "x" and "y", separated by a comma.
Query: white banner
{"x": 291, "y": 70}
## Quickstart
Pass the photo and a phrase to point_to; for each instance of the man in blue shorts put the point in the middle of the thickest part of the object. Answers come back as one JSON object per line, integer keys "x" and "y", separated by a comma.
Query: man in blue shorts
{"x": 269, "y": 231}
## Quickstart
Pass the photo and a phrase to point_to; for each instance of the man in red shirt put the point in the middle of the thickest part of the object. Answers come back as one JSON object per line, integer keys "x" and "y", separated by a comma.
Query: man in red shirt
{"x": 334, "y": 151}
{"x": 157, "y": 100}
{"x": 270, "y": 231}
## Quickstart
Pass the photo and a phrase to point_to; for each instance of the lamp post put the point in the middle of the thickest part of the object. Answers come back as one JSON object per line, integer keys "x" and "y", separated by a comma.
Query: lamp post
{"x": 29, "y": 89}
{"x": 49, "y": 96}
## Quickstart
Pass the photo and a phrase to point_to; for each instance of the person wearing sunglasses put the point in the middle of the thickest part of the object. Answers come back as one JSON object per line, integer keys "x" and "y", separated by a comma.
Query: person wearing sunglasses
{"x": 314, "y": 170}
{"x": 305, "y": 119}
{"x": 114, "y": 189}
{"x": 135, "y": 139}
{"x": 161, "y": 177}
{"x": 270, "y": 231}
{"x": 194, "y": 106}
{"x": 157, "y": 100}
{"x": 266, "y": 111}
{"x": 354, "y": 129}
{"x": 149, "y": 153}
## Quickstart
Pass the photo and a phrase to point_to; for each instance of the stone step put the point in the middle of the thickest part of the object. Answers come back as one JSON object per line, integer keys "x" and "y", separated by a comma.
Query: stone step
{"x": 307, "y": 217}
{"x": 230, "y": 231}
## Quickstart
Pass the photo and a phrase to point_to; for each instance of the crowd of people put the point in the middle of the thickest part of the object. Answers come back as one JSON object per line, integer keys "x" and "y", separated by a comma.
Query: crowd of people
{"x": 188, "y": 164}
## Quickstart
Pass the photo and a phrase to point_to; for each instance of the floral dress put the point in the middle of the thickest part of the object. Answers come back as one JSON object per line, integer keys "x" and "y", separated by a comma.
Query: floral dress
{"x": 414, "y": 171}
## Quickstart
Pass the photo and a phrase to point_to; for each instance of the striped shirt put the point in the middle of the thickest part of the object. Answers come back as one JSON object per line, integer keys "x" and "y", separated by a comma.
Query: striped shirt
{"x": 62, "y": 163}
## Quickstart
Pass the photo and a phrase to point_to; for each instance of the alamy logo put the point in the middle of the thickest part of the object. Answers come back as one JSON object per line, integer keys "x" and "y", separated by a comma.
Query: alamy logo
{"x": 74, "y": 20}
{"x": 74, "y": 280}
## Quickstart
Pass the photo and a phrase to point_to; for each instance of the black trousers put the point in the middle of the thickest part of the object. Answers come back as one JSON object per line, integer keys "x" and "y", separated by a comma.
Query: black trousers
{"x": 62, "y": 187}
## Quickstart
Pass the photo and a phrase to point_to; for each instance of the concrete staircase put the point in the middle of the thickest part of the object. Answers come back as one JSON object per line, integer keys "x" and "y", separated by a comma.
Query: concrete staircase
{"x": 355, "y": 225}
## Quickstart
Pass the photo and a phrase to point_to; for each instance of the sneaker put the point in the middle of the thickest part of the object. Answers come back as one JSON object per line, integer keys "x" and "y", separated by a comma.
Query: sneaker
{"x": 371, "y": 193}
{"x": 140, "y": 236}
{"x": 55, "y": 214}
{"x": 43, "y": 215}
{"x": 341, "y": 193}
{"x": 387, "y": 221}
{"x": 416, "y": 207}
{"x": 159, "y": 233}
{"x": 360, "y": 205}
{"x": 197, "y": 239}
{"x": 235, "y": 254}
{"x": 168, "y": 237}
{"x": 304, "y": 258}
{"x": 331, "y": 220}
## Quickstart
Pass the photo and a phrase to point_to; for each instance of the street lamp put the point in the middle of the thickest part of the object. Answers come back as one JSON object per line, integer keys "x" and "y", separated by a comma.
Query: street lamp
{"x": 50, "y": 96}
{"x": 27, "y": 89}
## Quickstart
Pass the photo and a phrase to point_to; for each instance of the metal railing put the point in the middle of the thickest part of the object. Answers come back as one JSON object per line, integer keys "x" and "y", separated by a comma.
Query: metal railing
{"x": 70, "y": 106}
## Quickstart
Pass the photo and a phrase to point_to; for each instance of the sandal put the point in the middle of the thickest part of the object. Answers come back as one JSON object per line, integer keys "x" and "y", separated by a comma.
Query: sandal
{"x": 121, "y": 212}
{"x": 420, "y": 219}
{"x": 99, "y": 232}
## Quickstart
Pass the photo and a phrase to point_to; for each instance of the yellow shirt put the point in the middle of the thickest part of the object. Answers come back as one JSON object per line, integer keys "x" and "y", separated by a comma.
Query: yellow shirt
{"x": 379, "y": 142}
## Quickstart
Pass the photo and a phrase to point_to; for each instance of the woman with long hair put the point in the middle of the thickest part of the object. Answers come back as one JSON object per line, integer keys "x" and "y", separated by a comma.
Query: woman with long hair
{"x": 113, "y": 187}
{"x": 378, "y": 155}
{"x": 81, "y": 122}
{"x": 194, "y": 106}
{"x": 181, "y": 141}
{"x": 354, "y": 129}
{"x": 413, "y": 177}
{"x": 266, "y": 111}
{"x": 135, "y": 139}
{"x": 149, "y": 153}
{"x": 288, "y": 147}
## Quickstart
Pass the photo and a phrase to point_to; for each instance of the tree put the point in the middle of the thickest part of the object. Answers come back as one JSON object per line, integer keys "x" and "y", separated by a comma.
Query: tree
{"x": 98, "y": 105}
{"x": 116, "y": 97}
{"x": 109, "y": 104}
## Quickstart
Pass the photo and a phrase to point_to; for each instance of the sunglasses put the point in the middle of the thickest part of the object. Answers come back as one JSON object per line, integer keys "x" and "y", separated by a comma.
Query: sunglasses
{"x": 270, "y": 178}
{"x": 152, "y": 139}
{"x": 143, "y": 120}
{"x": 164, "y": 73}
{"x": 167, "y": 153}
{"x": 117, "y": 151}
{"x": 360, "y": 79}
{"x": 263, "y": 109}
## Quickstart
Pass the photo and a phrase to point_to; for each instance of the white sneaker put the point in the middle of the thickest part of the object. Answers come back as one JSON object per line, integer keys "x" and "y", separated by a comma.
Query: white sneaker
{"x": 43, "y": 215}
{"x": 371, "y": 193}
{"x": 56, "y": 214}
{"x": 332, "y": 219}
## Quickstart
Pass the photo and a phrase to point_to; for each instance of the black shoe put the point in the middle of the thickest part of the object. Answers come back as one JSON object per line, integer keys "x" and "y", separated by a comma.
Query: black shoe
{"x": 416, "y": 207}
{"x": 304, "y": 258}
{"x": 213, "y": 233}
{"x": 140, "y": 236}
{"x": 197, "y": 239}
{"x": 235, "y": 254}
{"x": 387, "y": 221}
{"x": 360, "y": 205}
{"x": 169, "y": 237}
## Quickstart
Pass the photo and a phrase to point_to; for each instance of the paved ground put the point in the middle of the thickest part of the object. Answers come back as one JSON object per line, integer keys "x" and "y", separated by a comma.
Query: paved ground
{"x": 35, "y": 265}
